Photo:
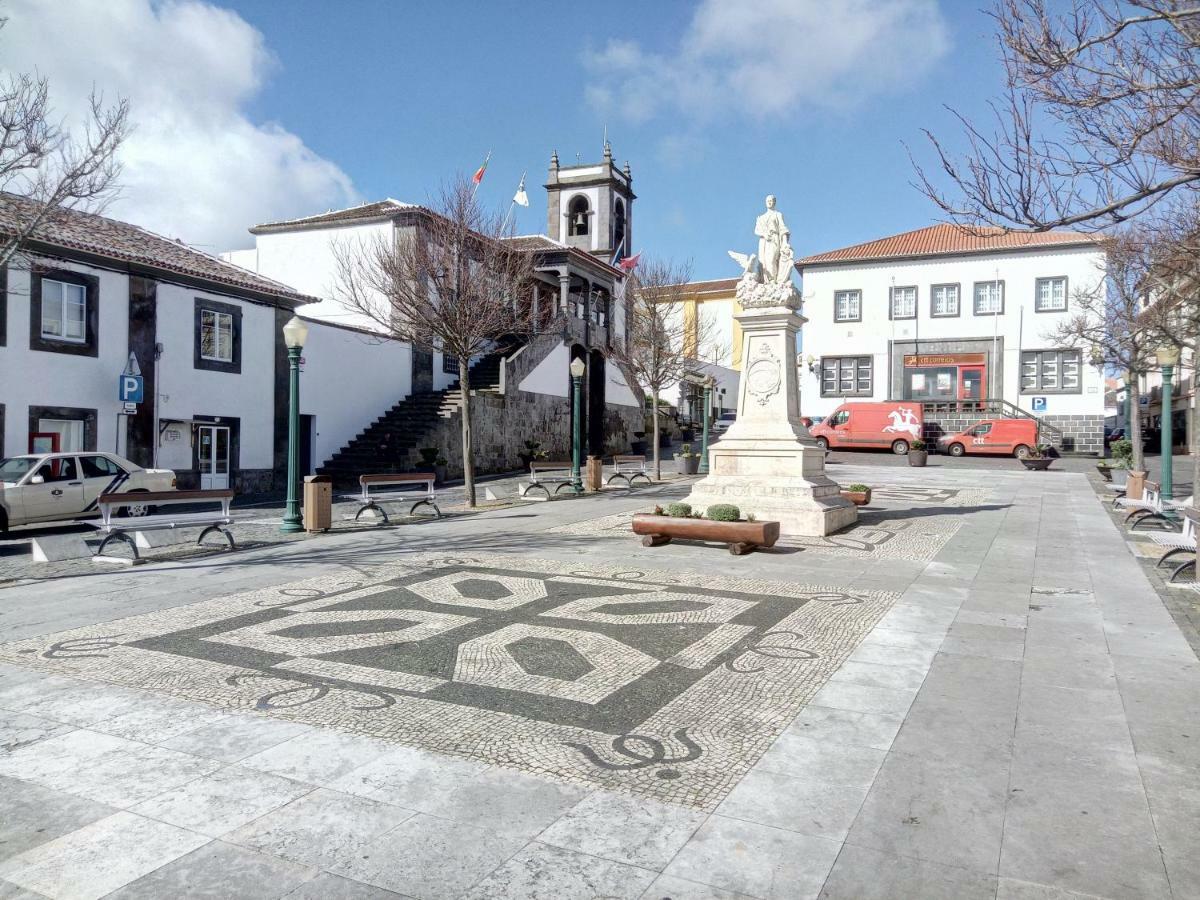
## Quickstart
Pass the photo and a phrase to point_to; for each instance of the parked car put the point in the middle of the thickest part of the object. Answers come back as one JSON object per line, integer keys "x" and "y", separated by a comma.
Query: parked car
{"x": 871, "y": 426}
{"x": 51, "y": 487}
{"x": 1004, "y": 436}
{"x": 722, "y": 422}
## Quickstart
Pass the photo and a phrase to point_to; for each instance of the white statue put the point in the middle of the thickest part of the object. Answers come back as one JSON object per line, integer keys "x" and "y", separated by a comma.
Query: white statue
{"x": 774, "y": 247}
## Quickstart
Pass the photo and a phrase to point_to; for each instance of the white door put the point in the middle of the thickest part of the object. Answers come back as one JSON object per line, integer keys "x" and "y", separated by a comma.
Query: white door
{"x": 58, "y": 494}
{"x": 214, "y": 457}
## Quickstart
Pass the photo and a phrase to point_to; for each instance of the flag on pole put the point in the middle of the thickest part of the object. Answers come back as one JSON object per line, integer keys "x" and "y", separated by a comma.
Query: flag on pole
{"x": 520, "y": 197}
{"x": 478, "y": 176}
{"x": 629, "y": 263}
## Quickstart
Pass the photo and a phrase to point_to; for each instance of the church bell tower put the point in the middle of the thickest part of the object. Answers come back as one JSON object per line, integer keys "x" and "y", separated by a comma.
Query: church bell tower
{"x": 590, "y": 206}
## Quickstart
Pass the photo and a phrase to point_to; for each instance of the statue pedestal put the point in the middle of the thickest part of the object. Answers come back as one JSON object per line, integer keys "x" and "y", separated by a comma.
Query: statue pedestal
{"x": 766, "y": 463}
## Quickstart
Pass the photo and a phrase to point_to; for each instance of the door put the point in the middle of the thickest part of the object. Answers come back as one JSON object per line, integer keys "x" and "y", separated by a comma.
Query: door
{"x": 213, "y": 455}
{"x": 306, "y": 445}
{"x": 981, "y": 438}
{"x": 59, "y": 494}
{"x": 970, "y": 383}
{"x": 100, "y": 475}
{"x": 839, "y": 429}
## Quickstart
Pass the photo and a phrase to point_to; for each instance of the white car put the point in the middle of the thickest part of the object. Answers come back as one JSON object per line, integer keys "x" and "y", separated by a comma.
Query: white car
{"x": 51, "y": 487}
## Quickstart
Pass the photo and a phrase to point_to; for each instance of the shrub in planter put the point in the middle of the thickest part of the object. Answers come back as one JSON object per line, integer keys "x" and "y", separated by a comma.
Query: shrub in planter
{"x": 687, "y": 462}
{"x": 858, "y": 494}
{"x": 679, "y": 510}
{"x": 723, "y": 512}
{"x": 533, "y": 451}
{"x": 917, "y": 454}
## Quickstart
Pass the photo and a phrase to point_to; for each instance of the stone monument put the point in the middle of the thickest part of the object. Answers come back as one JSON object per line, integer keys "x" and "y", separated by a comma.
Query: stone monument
{"x": 766, "y": 463}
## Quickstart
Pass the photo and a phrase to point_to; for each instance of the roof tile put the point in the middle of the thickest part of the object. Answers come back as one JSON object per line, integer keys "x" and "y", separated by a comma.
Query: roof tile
{"x": 944, "y": 239}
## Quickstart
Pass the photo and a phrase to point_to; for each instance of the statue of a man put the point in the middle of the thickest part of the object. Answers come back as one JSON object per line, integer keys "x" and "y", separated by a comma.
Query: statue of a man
{"x": 774, "y": 246}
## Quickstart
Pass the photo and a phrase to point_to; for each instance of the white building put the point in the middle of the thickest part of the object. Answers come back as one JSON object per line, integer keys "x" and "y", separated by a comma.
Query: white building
{"x": 962, "y": 321}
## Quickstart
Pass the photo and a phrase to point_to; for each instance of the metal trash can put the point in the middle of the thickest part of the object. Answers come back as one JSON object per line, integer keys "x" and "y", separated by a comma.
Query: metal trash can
{"x": 318, "y": 503}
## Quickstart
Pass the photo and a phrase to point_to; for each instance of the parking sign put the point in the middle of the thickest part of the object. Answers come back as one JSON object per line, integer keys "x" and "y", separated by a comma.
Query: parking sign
{"x": 130, "y": 388}
{"x": 1039, "y": 404}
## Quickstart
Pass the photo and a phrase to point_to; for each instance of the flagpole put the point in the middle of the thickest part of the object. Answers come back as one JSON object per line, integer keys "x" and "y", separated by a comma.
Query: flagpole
{"x": 486, "y": 160}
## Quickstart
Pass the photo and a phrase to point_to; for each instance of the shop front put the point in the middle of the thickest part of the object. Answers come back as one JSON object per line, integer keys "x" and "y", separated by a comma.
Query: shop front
{"x": 944, "y": 377}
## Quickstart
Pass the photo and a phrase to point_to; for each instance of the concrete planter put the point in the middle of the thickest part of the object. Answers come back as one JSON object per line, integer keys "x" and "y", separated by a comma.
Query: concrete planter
{"x": 1037, "y": 463}
{"x": 858, "y": 498}
{"x": 742, "y": 537}
{"x": 687, "y": 465}
{"x": 918, "y": 457}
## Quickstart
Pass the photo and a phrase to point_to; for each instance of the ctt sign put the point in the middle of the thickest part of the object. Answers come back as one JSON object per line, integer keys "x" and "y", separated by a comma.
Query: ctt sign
{"x": 130, "y": 388}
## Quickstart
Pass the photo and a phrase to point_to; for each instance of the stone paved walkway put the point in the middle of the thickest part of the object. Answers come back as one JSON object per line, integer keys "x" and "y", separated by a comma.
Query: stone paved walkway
{"x": 999, "y": 706}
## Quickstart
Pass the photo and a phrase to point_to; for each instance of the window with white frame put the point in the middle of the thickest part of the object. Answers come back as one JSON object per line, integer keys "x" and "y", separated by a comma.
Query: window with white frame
{"x": 216, "y": 335}
{"x": 846, "y": 376}
{"x": 1050, "y": 294}
{"x": 69, "y": 431}
{"x": 904, "y": 303}
{"x": 1051, "y": 371}
{"x": 64, "y": 311}
{"x": 943, "y": 300}
{"x": 847, "y": 306}
{"x": 989, "y": 298}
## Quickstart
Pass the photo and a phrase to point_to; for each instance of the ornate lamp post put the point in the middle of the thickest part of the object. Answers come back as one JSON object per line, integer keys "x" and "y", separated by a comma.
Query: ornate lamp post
{"x": 702, "y": 469}
{"x": 1167, "y": 358}
{"x": 295, "y": 332}
{"x": 577, "y": 369}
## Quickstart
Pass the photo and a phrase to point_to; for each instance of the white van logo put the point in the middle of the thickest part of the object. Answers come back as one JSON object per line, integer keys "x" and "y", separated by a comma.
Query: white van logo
{"x": 902, "y": 420}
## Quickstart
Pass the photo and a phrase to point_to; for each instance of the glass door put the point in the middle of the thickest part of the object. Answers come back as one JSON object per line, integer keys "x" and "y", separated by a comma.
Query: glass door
{"x": 970, "y": 383}
{"x": 213, "y": 456}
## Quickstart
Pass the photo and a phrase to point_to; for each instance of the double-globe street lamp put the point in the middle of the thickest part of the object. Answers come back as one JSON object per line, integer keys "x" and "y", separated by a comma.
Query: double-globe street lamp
{"x": 1168, "y": 357}
{"x": 295, "y": 332}
{"x": 578, "y": 367}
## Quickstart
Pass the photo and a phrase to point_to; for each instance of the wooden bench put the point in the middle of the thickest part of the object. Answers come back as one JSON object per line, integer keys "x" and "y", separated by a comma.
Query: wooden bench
{"x": 630, "y": 468}
{"x": 121, "y": 529}
{"x": 543, "y": 473}
{"x": 395, "y": 488}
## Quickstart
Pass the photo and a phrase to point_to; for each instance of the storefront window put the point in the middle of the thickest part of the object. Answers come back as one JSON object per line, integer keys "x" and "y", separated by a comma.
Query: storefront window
{"x": 931, "y": 383}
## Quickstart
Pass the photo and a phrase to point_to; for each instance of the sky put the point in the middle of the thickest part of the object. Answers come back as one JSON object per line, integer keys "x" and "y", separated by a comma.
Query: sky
{"x": 248, "y": 111}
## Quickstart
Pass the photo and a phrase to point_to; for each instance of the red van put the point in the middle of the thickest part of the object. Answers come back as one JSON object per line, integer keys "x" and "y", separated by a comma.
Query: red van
{"x": 866, "y": 426}
{"x": 1015, "y": 436}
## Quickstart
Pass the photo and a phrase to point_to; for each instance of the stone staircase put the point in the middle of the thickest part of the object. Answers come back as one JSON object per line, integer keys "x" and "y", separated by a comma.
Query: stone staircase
{"x": 391, "y": 443}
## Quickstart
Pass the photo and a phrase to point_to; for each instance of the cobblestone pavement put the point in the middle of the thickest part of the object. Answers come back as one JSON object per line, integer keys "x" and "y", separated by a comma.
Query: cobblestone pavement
{"x": 524, "y": 703}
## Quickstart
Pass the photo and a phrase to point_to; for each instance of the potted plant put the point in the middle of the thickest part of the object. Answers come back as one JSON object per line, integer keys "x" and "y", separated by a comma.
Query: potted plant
{"x": 638, "y": 445}
{"x": 433, "y": 462}
{"x": 687, "y": 462}
{"x": 1038, "y": 459}
{"x": 722, "y": 522}
{"x": 858, "y": 494}
{"x": 533, "y": 451}
{"x": 917, "y": 454}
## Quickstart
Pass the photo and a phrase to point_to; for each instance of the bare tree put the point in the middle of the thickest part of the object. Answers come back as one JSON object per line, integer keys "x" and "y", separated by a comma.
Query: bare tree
{"x": 40, "y": 159}
{"x": 1110, "y": 322}
{"x": 664, "y": 338}
{"x": 1099, "y": 123}
{"x": 450, "y": 284}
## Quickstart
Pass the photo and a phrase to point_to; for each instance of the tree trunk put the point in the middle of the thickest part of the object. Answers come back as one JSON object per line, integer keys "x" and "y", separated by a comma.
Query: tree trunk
{"x": 464, "y": 383}
{"x": 1138, "y": 464}
{"x": 654, "y": 429}
{"x": 1194, "y": 443}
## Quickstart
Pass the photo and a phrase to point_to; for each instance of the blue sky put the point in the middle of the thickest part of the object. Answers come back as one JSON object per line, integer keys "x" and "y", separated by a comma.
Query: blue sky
{"x": 252, "y": 110}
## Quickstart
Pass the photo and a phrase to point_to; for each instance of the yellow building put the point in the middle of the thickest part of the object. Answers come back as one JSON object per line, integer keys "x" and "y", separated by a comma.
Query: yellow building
{"x": 709, "y": 310}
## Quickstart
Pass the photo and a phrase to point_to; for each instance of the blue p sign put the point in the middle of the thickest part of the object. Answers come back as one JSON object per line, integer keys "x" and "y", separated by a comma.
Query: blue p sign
{"x": 1039, "y": 404}
{"x": 130, "y": 388}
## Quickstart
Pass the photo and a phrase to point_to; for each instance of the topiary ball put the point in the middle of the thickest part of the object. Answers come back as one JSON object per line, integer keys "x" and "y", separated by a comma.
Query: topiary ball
{"x": 679, "y": 510}
{"x": 724, "y": 512}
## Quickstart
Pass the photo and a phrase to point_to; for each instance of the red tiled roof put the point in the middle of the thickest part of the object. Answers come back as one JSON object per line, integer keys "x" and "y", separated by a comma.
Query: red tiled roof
{"x": 380, "y": 209}
{"x": 945, "y": 239}
{"x": 70, "y": 229}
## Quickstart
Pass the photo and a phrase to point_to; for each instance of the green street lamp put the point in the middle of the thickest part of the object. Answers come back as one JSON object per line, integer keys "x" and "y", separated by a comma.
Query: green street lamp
{"x": 702, "y": 469}
{"x": 577, "y": 369}
{"x": 1167, "y": 358}
{"x": 295, "y": 332}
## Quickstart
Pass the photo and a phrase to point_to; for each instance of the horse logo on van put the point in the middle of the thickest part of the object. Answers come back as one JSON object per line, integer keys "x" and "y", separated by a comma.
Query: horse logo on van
{"x": 903, "y": 420}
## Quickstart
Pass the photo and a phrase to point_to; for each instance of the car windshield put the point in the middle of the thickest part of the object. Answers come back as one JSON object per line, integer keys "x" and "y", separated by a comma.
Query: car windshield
{"x": 14, "y": 467}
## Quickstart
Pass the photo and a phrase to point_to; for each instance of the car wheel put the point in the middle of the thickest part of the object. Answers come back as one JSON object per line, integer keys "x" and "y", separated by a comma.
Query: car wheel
{"x": 900, "y": 447}
{"x": 957, "y": 449}
{"x": 1021, "y": 452}
{"x": 135, "y": 510}
{"x": 823, "y": 443}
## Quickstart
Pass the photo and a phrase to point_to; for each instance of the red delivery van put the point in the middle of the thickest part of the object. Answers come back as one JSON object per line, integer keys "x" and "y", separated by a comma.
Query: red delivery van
{"x": 1015, "y": 436}
{"x": 866, "y": 426}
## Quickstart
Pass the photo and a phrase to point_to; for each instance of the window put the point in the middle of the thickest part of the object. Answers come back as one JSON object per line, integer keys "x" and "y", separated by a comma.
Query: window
{"x": 1051, "y": 371}
{"x": 981, "y": 430}
{"x": 989, "y": 298}
{"x": 99, "y": 467}
{"x": 904, "y": 303}
{"x": 216, "y": 335}
{"x": 69, "y": 431}
{"x": 64, "y": 311}
{"x": 847, "y": 306}
{"x": 943, "y": 300}
{"x": 841, "y": 417}
{"x": 846, "y": 376}
{"x": 578, "y": 213}
{"x": 1050, "y": 295}
{"x": 61, "y": 469}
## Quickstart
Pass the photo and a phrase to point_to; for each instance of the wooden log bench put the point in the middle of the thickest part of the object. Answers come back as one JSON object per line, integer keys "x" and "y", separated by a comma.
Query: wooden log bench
{"x": 742, "y": 537}
{"x": 211, "y": 521}
{"x": 543, "y": 473}
{"x": 629, "y": 467}
{"x": 397, "y": 487}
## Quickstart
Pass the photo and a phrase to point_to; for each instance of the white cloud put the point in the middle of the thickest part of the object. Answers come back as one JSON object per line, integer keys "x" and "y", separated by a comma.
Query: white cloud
{"x": 765, "y": 58}
{"x": 196, "y": 167}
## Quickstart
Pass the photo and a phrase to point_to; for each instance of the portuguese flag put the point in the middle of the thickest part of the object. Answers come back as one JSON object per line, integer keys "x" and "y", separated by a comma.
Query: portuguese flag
{"x": 478, "y": 176}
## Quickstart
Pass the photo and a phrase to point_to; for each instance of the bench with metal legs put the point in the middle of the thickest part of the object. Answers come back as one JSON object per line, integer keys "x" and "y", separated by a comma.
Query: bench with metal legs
{"x": 542, "y": 474}
{"x": 629, "y": 468}
{"x": 121, "y": 530}
{"x": 395, "y": 488}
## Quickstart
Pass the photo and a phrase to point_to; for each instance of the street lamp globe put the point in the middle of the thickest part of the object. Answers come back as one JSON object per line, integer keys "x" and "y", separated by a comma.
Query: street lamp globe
{"x": 577, "y": 367}
{"x": 1167, "y": 355}
{"x": 295, "y": 333}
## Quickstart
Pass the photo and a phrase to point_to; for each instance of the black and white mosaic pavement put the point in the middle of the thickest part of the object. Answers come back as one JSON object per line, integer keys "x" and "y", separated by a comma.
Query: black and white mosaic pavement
{"x": 666, "y": 684}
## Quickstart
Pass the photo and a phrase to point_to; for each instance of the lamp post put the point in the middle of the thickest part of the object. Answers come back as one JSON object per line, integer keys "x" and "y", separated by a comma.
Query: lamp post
{"x": 702, "y": 469}
{"x": 577, "y": 369}
{"x": 295, "y": 332}
{"x": 1167, "y": 358}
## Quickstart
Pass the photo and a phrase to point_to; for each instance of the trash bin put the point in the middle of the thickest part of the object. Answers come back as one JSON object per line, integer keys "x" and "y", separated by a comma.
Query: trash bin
{"x": 318, "y": 503}
{"x": 593, "y": 473}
